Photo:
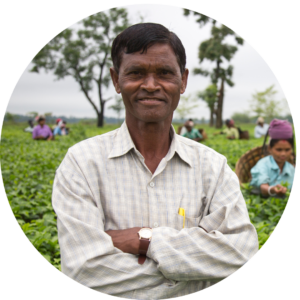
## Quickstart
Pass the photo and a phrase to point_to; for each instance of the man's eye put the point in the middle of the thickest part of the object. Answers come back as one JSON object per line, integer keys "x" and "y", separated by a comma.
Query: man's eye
{"x": 165, "y": 72}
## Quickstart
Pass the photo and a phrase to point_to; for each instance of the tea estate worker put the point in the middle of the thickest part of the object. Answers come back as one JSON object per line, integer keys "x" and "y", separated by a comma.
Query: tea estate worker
{"x": 142, "y": 212}
{"x": 192, "y": 133}
{"x": 42, "y": 131}
{"x": 261, "y": 128}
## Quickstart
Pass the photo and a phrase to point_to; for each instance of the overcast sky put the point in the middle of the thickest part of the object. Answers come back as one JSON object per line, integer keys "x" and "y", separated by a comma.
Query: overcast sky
{"x": 42, "y": 93}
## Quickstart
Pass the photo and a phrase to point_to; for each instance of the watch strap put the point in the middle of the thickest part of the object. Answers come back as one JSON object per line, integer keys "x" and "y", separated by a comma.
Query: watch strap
{"x": 142, "y": 259}
{"x": 144, "y": 245}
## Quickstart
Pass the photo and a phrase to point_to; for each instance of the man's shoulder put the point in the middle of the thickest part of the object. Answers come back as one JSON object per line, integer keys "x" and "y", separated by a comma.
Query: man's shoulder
{"x": 199, "y": 149}
{"x": 95, "y": 143}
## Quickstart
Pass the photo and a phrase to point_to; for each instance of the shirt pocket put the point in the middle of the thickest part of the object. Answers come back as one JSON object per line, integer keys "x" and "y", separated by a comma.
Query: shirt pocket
{"x": 189, "y": 222}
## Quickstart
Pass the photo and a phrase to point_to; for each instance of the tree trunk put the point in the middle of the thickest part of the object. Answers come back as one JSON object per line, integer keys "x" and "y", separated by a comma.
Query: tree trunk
{"x": 211, "y": 121}
{"x": 100, "y": 116}
{"x": 219, "y": 122}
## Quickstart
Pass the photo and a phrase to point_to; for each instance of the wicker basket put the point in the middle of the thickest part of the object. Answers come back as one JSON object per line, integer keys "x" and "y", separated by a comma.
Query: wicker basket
{"x": 248, "y": 160}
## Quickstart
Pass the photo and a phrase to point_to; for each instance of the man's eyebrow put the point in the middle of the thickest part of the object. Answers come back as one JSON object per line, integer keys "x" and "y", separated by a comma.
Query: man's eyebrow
{"x": 142, "y": 68}
{"x": 134, "y": 68}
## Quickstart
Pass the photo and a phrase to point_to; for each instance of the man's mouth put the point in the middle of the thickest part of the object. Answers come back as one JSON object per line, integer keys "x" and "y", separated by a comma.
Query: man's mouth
{"x": 150, "y": 101}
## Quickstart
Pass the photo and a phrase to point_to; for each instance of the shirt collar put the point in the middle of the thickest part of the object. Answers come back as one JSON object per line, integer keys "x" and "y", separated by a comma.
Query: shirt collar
{"x": 123, "y": 144}
{"x": 274, "y": 166}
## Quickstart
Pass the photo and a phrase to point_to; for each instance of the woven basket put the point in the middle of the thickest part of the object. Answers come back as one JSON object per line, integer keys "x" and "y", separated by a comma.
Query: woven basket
{"x": 248, "y": 160}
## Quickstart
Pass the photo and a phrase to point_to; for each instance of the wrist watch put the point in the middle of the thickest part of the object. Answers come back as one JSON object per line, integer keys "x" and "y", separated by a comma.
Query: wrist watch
{"x": 145, "y": 235}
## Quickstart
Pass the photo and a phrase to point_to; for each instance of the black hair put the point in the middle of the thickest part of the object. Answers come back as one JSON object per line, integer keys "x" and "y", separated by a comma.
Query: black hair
{"x": 273, "y": 142}
{"x": 140, "y": 37}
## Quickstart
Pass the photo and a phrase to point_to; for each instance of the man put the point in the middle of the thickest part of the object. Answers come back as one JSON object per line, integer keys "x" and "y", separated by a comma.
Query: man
{"x": 261, "y": 128}
{"x": 192, "y": 133}
{"x": 183, "y": 129}
{"x": 30, "y": 127}
{"x": 42, "y": 131}
{"x": 145, "y": 181}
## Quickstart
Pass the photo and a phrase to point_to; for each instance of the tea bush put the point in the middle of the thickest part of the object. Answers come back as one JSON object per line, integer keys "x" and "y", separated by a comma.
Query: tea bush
{"x": 28, "y": 169}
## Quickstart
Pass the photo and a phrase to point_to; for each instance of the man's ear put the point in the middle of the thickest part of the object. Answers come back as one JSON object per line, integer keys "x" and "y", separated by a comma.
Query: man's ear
{"x": 184, "y": 79}
{"x": 115, "y": 78}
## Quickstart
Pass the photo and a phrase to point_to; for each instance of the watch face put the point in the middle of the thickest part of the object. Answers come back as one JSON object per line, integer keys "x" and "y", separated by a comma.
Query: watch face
{"x": 146, "y": 233}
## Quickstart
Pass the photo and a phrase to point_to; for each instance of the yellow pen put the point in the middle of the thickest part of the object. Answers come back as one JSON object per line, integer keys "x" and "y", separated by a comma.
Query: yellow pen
{"x": 181, "y": 212}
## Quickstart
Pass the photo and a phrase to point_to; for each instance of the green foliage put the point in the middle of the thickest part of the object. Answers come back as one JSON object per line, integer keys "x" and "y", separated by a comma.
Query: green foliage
{"x": 84, "y": 54}
{"x": 264, "y": 105}
{"x": 118, "y": 107}
{"x": 217, "y": 50}
{"x": 186, "y": 106}
{"x": 209, "y": 95}
{"x": 28, "y": 170}
{"x": 242, "y": 118}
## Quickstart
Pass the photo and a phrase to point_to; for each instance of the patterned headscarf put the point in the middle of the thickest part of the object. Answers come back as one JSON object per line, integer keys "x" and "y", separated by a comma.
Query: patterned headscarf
{"x": 280, "y": 129}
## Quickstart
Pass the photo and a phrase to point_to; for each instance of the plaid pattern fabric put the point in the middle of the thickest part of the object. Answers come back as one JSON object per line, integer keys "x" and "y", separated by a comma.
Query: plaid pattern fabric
{"x": 103, "y": 184}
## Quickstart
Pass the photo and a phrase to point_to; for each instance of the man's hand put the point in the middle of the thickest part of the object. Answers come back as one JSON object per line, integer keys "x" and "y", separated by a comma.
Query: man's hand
{"x": 127, "y": 240}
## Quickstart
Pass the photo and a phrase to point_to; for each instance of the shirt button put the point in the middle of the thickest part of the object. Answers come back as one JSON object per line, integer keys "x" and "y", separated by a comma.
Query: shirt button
{"x": 155, "y": 224}
{"x": 152, "y": 184}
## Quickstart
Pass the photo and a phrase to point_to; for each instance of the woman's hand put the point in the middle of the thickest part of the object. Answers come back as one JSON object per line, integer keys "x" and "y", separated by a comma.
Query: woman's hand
{"x": 278, "y": 189}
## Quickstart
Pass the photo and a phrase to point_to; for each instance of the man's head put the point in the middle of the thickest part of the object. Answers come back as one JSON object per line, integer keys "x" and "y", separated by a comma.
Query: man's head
{"x": 139, "y": 37}
{"x": 189, "y": 125}
{"x": 149, "y": 71}
{"x": 260, "y": 121}
{"x": 41, "y": 120}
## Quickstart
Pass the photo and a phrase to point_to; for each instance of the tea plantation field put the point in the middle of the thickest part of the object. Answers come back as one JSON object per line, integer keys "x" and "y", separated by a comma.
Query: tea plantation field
{"x": 28, "y": 169}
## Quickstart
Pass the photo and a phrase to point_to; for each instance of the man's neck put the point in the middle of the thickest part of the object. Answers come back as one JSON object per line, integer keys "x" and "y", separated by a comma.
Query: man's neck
{"x": 152, "y": 140}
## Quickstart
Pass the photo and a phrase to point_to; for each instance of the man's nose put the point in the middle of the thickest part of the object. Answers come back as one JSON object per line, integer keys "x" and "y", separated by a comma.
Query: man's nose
{"x": 150, "y": 84}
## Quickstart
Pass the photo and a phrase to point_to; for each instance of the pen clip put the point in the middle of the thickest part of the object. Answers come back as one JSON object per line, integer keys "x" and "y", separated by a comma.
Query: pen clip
{"x": 181, "y": 212}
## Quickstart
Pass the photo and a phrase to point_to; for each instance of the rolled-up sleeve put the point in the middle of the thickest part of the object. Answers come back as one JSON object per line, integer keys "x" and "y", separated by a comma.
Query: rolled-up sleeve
{"x": 259, "y": 174}
{"x": 224, "y": 240}
{"x": 87, "y": 252}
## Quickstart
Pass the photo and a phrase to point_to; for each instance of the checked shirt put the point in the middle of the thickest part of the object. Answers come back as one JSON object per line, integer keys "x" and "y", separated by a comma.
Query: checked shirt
{"x": 103, "y": 184}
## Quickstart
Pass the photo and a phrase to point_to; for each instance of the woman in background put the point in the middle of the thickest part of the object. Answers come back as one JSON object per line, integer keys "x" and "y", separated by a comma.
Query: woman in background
{"x": 272, "y": 171}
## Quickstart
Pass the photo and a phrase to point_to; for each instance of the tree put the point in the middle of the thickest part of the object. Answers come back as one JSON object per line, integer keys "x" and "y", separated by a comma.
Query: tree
{"x": 84, "y": 54}
{"x": 118, "y": 107}
{"x": 32, "y": 114}
{"x": 210, "y": 96}
{"x": 186, "y": 105}
{"x": 242, "y": 117}
{"x": 9, "y": 117}
{"x": 264, "y": 105}
{"x": 215, "y": 49}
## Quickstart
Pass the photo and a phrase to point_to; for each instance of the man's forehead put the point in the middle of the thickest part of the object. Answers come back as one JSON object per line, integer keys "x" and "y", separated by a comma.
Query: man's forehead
{"x": 159, "y": 52}
{"x": 146, "y": 65}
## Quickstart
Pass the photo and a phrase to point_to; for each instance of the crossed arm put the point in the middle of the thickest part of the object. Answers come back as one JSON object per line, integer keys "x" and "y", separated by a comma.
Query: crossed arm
{"x": 126, "y": 240}
{"x": 107, "y": 260}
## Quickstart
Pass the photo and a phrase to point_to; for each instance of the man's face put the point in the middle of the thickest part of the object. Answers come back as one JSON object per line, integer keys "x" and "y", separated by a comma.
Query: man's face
{"x": 189, "y": 128}
{"x": 42, "y": 122}
{"x": 150, "y": 84}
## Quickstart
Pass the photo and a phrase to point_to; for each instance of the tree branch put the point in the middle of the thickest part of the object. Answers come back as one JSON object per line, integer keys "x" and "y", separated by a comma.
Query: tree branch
{"x": 86, "y": 92}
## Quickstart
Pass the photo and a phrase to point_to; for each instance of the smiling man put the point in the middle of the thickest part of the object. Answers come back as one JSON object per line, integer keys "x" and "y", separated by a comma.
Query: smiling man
{"x": 142, "y": 212}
